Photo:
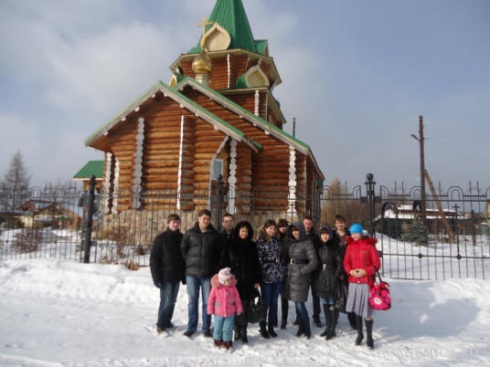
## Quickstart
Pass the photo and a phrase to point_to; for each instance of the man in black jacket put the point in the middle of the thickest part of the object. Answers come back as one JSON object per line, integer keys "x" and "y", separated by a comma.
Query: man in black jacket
{"x": 202, "y": 250}
{"x": 167, "y": 270}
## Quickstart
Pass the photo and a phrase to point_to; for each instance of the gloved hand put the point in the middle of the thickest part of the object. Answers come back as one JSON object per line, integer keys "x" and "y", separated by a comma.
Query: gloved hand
{"x": 157, "y": 284}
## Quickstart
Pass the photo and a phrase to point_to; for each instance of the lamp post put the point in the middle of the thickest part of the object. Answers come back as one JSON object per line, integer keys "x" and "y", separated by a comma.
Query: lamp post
{"x": 219, "y": 201}
{"x": 370, "y": 198}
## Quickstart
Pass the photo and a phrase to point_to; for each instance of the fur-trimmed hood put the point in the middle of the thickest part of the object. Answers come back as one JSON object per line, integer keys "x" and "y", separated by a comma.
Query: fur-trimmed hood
{"x": 216, "y": 284}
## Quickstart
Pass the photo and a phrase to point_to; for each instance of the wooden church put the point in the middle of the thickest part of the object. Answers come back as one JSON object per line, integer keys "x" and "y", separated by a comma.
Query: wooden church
{"x": 216, "y": 118}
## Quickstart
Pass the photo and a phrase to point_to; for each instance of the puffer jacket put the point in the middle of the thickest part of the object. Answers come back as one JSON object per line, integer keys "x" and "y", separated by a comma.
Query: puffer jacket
{"x": 362, "y": 254}
{"x": 330, "y": 267}
{"x": 202, "y": 251}
{"x": 303, "y": 262}
{"x": 224, "y": 300}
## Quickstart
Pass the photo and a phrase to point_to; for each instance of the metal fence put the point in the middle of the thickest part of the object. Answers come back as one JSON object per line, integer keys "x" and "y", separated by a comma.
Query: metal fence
{"x": 451, "y": 239}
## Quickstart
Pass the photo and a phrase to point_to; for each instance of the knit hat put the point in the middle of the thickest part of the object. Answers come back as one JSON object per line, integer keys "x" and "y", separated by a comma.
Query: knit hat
{"x": 223, "y": 275}
{"x": 356, "y": 228}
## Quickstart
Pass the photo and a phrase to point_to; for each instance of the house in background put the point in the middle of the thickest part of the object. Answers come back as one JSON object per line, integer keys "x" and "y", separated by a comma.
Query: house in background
{"x": 48, "y": 213}
{"x": 92, "y": 168}
{"x": 216, "y": 118}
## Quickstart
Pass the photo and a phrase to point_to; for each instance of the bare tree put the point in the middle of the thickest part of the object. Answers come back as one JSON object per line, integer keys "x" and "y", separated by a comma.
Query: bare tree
{"x": 14, "y": 189}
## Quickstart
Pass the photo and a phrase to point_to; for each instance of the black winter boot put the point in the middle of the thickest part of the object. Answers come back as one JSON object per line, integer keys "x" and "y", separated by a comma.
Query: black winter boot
{"x": 284, "y": 310}
{"x": 307, "y": 328}
{"x": 263, "y": 331}
{"x": 334, "y": 314}
{"x": 238, "y": 331}
{"x": 369, "y": 332}
{"x": 352, "y": 320}
{"x": 326, "y": 310}
{"x": 301, "y": 327}
{"x": 360, "y": 335}
{"x": 244, "y": 336}
{"x": 271, "y": 331}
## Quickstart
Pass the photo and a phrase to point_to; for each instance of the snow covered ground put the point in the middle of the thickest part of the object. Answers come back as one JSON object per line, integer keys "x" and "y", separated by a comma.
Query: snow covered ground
{"x": 59, "y": 313}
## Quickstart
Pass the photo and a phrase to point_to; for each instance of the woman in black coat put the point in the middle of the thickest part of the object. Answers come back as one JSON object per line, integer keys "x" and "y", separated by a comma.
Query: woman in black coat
{"x": 243, "y": 260}
{"x": 328, "y": 278}
{"x": 303, "y": 262}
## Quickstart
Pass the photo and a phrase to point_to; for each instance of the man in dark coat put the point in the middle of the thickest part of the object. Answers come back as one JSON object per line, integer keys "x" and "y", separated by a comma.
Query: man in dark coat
{"x": 202, "y": 250}
{"x": 167, "y": 270}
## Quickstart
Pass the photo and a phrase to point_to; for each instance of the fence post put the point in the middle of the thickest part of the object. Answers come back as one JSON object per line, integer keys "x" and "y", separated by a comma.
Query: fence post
{"x": 90, "y": 215}
{"x": 370, "y": 197}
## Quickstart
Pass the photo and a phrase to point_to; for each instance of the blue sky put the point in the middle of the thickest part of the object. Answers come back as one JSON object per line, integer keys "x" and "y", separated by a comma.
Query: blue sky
{"x": 356, "y": 76}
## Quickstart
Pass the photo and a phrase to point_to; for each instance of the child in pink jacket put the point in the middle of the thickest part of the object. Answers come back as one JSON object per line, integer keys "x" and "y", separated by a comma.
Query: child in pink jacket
{"x": 224, "y": 302}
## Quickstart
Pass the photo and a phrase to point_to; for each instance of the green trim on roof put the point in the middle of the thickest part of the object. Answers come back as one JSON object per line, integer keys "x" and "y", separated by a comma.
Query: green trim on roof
{"x": 95, "y": 168}
{"x": 181, "y": 98}
{"x": 244, "y": 111}
{"x": 231, "y": 15}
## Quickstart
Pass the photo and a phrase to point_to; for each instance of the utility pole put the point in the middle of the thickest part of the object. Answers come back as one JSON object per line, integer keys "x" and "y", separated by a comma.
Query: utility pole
{"x": 420, "y": 139}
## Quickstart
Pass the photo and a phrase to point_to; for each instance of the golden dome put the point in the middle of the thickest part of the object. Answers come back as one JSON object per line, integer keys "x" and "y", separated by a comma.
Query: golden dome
{"x": 202, "y": 64}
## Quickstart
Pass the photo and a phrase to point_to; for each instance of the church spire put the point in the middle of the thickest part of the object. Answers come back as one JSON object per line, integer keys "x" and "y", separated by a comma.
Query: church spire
{"x": 231, "y": 15}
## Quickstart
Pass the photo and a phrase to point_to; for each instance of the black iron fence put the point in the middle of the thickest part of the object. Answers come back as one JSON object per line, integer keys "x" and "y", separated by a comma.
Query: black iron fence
{"x": 450, "y": 239}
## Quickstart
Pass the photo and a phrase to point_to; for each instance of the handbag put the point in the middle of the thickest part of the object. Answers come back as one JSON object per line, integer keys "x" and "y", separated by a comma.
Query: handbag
{"x": 379, "y": 295}
{"x": 255, "y": 309}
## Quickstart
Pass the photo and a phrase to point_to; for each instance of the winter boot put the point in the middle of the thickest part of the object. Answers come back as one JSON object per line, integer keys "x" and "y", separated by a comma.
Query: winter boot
{"x": 285, "y": 310}
{"x": 334, "y": 317}
{"x": 326, "y": 310}
{"x": 307, "y": 328}
{"x": 228, "y": 345}
{"x": 271, "y": 331}
{"x": 244, "y": 335}
{"x": 352, "y": 320}
{"x": 237, "y": 331}
{"x": 360, "y": 335}
{"x": 218, "y": 343}
{"x": 301, "y": 327}
{"x": 369, "y": 332}
{"x": 263, "y": 331}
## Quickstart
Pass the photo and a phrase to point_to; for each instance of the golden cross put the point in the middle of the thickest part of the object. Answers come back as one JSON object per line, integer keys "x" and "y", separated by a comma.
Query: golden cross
{"x": 203, "y": 24}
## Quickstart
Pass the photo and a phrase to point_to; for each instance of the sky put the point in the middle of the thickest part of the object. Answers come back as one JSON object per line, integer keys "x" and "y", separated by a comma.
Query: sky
{"x": 356, "y": 77}
{"x": 62, "y": 313}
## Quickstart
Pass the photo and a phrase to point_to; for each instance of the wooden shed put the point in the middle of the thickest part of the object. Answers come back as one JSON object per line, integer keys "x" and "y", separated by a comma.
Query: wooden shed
{"x": 216, "y": 118}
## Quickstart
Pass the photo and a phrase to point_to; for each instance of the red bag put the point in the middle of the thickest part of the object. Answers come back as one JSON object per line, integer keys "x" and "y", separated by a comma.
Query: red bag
{"x": 379, "y": 295}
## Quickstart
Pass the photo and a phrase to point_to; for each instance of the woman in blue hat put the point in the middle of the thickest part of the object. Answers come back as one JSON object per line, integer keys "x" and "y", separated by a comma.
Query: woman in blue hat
{"x": 361, "y": 262}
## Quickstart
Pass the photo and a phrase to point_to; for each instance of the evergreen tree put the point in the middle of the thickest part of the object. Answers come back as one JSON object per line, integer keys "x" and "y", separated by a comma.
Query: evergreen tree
{"x": 417, "y": 232}
{"x": 14, "y": 189}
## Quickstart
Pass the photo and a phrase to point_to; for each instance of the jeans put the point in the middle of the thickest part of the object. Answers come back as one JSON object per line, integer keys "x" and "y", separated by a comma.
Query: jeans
{"x": 168, "y": 297}
{"x": 301, "y": 311}
{"x": 270, "y": 296}
{"x": 223, "y": 328}
{"x": 193, "y": 286}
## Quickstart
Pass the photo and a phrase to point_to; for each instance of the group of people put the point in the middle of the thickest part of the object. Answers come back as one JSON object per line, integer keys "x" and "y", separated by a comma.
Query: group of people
{"x": 228, "y": 269}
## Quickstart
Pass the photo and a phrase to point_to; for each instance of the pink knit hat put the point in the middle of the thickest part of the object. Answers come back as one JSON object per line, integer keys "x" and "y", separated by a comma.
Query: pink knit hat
{"x": 223, "y": 275}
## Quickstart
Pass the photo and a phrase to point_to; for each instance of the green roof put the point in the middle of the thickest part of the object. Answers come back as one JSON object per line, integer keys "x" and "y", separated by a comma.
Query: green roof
{"x": 95, "y": 168}
{"x": 230, "y": 14}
